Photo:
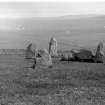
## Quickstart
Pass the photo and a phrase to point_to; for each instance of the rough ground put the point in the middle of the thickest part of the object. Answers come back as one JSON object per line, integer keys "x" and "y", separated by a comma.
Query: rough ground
{"x": 66, "y": 83}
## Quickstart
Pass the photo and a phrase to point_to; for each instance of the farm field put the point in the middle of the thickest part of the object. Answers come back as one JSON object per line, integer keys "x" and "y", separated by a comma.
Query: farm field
{"x": 66, "y": 83}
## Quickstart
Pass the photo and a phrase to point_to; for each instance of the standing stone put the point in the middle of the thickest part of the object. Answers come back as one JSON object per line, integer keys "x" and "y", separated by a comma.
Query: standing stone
{"x": 31, "y": 51}
{"x": 53, "y": 47}
{"x": 99, "y": 57}
{"x": 46, "y": 59}
{"x": 66, "y": 56}
{"x": 82, "y": 55}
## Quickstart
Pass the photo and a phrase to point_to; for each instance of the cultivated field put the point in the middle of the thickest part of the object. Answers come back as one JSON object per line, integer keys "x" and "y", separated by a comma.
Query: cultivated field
{"x": 66, "y": 83}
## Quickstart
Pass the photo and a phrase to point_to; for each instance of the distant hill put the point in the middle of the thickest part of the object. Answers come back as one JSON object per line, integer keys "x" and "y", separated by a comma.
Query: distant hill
{"x": 71, "y": 31}
{"x": 80, "y": 16}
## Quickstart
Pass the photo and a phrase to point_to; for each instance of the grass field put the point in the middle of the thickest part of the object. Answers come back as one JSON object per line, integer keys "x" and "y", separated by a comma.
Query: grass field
{"x": 66, "y": 83}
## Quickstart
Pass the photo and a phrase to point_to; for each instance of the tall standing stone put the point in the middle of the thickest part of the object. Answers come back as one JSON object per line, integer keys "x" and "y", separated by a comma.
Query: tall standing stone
{"x": 53, "y": 47}
{"x": 100, "y": 53}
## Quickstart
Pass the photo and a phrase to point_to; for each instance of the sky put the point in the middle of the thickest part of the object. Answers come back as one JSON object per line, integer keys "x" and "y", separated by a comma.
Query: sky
{"x": 52, "y": 0}
{"x": 44, "y": 8}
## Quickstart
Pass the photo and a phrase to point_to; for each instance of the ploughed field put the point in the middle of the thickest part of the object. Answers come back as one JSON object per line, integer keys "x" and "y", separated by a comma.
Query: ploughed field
{"x": 66, "y": 83}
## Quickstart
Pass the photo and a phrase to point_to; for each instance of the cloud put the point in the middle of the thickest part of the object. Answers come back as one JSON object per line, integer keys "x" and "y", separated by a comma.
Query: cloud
{"x": 19, "y": 28}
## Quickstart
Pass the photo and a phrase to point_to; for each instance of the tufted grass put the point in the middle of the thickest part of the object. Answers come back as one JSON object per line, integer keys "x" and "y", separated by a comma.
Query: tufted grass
{"x": 65, "y": 83}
